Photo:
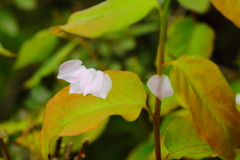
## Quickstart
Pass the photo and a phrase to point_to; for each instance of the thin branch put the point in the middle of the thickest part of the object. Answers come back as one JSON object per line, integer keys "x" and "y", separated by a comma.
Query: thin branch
{"x": 81, "y": 153}
{"x": 58, "y": 147}
{"x": 5, "y": 149}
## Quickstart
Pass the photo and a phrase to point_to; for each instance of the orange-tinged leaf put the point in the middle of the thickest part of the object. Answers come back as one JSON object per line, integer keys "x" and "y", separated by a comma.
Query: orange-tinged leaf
{"x": 230, "y": 9}
{"x": 72, "y": 114}
{"x": 92, "y": 135}
{"x": 200, "y": 86}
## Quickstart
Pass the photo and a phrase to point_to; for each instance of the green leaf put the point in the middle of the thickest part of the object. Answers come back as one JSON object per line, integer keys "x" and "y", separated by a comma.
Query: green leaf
{"x": 200, "y": 86}
{"x": 199, "y": 6}
{"x": 26, "y": 4}
{"x": 166, "y": 120}
{"x": 229, "y": 8}
{"x": 235, "y": 86}
{"x": 36, "y": 49}
{"x": 72, "y": 114}
{"x": 10, "y": 126}
{"x": 144, "y": 150}
{"x": 181, "y": 138}
{"x": 237, "y": 156}
{"x": 6, "y": 52}
{"x": 106, "y": 17}
{"x": 50, "y": 65}
{"x": 185, "y": 36}
{"x": 8, "y": 23}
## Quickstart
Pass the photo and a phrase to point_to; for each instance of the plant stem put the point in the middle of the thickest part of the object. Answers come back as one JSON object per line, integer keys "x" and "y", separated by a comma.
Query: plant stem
{"x": 81, "y": 153}
{"x": 5, "y": 149}
{"x": 58, "y": 147}
{"x": 160, "y": 56}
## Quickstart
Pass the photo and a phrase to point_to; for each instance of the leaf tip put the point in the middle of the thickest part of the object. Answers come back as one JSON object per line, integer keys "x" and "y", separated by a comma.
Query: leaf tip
{"x": 56, "y": 30}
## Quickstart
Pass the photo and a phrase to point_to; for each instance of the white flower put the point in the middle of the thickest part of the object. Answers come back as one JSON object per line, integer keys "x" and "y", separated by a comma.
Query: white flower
{"x": 160, "y": 86}
{"x": 86, "y": 81}
{"x": 238, "y": 98}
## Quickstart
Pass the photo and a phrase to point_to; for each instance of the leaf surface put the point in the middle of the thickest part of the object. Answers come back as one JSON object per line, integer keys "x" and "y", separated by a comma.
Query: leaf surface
{"x": 199, "y": 6}
{"x": 6, "y": 52}
{"x": 185, "y": 36}
{"x": 181, "y": 138}
{"x": 8, "y": 23}
{"x": 230, "y": 9}
{"x": 200, "y": 86}
{"x": 106, "y": 17}
{"x": 72, "y": 114}
{"x": 28, "y": 5}
{"x": 36, "y": 49}
{"x": 91, "y": 135}
{"x": 50, "y": 64}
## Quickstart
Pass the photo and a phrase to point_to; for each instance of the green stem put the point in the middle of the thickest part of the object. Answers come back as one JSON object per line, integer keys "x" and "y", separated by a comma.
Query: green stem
{"x": 160, "y": 56}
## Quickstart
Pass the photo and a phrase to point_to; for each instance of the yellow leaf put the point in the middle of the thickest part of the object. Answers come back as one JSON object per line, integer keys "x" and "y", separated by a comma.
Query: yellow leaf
{"x": 230, "y": 9}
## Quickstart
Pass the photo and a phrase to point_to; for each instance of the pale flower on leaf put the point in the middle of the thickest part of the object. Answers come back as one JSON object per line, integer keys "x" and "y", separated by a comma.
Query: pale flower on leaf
{"x": 105, "y": 88}
{"x": 160, "y": 86}
{"x": 86, "y": 81}
{"x": 71, "y": 71}
{"x": 238, "y": 98}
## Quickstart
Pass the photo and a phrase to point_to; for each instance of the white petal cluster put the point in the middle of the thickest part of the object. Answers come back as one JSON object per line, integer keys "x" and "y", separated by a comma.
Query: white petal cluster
{"x": 160, "y": 86}
{"x": 85, "y": 81}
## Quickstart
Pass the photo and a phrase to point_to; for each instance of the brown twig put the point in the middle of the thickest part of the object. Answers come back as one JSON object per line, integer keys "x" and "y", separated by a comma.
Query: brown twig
{"x": 58, "y": 147}
{"x": 81, "y": 153}
{"x": 5, "y": 149}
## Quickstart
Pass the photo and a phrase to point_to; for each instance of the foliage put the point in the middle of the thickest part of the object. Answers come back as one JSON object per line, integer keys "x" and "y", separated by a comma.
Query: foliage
{"x": 201, "y": 119}
{"x": 81, "y": 114}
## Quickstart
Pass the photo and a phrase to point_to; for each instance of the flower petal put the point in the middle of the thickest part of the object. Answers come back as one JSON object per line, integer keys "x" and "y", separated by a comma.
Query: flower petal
{"x": 75, "y": 88}
{"x": 96, "y": 84}
{"x": 238, "y": 98}
{"x": 71, "y": 71}
{"x": 105, "y": 88}
{"x": 160, "y": 86}
{"x": 86, "y": 80}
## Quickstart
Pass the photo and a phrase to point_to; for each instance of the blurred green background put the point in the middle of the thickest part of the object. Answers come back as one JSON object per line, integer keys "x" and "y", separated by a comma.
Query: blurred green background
{"x": 30, "y": 56}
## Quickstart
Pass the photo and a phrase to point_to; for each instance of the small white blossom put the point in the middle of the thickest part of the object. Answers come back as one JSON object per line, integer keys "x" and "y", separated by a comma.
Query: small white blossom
{"x": 86, "y": 81}
{"x": 160, "y": 86}
{"x": 238, "y": 98}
